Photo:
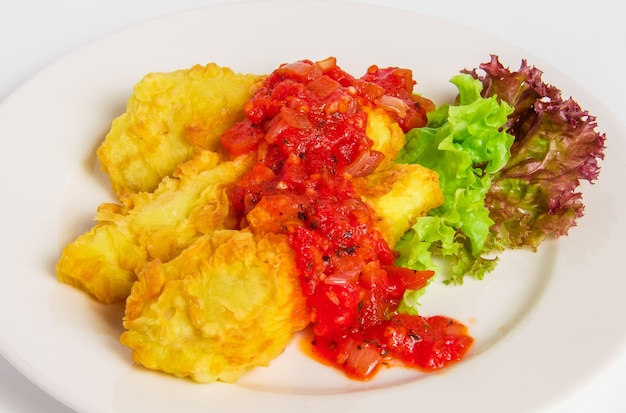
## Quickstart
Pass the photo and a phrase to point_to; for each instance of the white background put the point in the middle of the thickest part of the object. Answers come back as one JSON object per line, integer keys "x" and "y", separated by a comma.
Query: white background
{"x": 584, "y": 40}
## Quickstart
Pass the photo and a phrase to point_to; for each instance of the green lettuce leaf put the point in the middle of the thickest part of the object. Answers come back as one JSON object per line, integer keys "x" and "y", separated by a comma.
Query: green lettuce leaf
{"x": 465, "y": 144}
{"x": 536, "y": 196}
{"x": 410, "y": 301}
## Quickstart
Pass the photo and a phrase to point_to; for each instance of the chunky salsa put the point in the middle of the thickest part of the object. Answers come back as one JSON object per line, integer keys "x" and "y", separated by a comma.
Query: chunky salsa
{"x": 307, "y": 127}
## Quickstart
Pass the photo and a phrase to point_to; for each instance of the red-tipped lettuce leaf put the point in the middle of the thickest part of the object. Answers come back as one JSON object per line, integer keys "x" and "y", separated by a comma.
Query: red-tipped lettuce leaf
{"x": 536, "y": 195}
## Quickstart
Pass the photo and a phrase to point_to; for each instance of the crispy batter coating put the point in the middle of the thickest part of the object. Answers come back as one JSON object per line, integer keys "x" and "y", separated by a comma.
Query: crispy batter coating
{"x": 400, "y": 194}
{"x": 229, "y": 302}
{"x": 148, "y": 225}
{"x": 386, "y": 134}
{"x": 166, "y": 116}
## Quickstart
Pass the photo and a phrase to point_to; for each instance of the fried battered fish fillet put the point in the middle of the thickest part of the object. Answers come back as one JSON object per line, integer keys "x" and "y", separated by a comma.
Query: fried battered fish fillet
{"x": 400, "y": 194}
{"x": 152, "y": 225}
{"x": 385, "y": 133}
{"x": 166, "y": 116}
{"x": 229, "y": 302}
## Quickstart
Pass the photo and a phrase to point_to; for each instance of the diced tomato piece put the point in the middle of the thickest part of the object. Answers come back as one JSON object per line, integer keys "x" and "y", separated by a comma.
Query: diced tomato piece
{"x": 429, "y": 343}
{"x": 402, "y": 279}
{"x": 324, "y": 86}
{"x": 243, "y": 137}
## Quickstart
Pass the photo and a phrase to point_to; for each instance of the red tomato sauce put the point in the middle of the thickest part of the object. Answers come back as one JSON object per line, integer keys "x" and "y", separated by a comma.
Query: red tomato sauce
{"x": 308, "y": 130}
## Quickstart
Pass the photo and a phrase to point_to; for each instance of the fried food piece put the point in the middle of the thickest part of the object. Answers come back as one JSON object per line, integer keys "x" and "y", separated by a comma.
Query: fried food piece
{"x": 386, "y": 134}
{"x": 229, "y": 302}
{"x": 149, "y": 225}
{"x": 399, "y": 195}
{"x": 167, "y": 115}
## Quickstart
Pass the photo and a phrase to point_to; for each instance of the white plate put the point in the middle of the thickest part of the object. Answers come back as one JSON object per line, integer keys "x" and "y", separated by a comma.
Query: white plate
{"x": 545, "y": 324}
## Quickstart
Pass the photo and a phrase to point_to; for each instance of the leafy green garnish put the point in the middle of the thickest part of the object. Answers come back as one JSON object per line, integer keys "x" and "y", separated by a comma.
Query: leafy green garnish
{"x": 465, "y": 144}
{"x": 537, "y": 195}
{"x": 410, "y": 301}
